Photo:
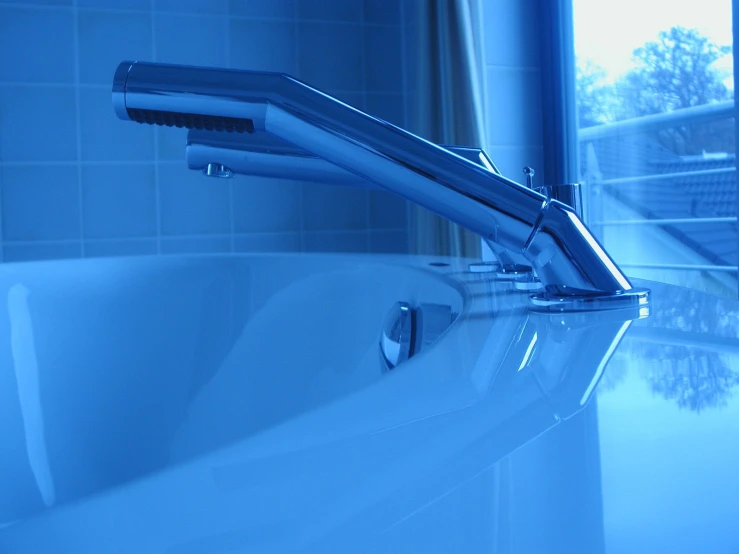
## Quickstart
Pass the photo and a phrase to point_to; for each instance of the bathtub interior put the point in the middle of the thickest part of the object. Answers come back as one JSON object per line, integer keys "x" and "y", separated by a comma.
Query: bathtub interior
{"x": 114, "y": 369}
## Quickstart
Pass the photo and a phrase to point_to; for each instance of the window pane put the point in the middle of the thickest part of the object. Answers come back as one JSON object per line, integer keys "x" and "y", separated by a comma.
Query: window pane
{"x": 657, "y": 150}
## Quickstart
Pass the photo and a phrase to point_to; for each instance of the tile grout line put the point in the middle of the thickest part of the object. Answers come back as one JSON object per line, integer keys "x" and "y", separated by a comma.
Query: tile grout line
{"x": 32, "y": 7}
{"x": 157, "y": 131}
{"x": 406, "y": 103}
{"x": 404, "y": 62}
{"x": 484, "y": 74}
{"x": 78, "y": 116}
{"x": 175, "y": 238}
{"x": 367, "y": 194}
{"x": 100, "y": 86}
{"x": 2, "y": 218}
{"x": 296, "y": 66}
{"x": 178, "y": 163}
{"x": 485, "y": 252}
{"x": 231, "y": 184}
{"x": 2, "y": 235}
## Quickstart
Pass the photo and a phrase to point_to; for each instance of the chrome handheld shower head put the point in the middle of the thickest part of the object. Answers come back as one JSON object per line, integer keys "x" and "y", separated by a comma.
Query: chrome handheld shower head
{"x": 574, "y": 268}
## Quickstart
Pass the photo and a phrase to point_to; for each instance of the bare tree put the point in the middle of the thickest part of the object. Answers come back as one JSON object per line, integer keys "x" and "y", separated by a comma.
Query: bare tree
{"x": 673, "y": 72}
{"x": 596, "y": 99}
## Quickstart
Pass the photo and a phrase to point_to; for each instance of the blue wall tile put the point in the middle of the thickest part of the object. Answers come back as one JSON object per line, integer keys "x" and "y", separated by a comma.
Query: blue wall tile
{"x": 336, "y": 241}
{"x": 509, "y": 45}
{"x": 330, "y": 56}
{"x": 195, "y": 245}
{"x": 104, "y": 137}
{"x": 119, "y": 201}
{"x": 37, "y": 45}
{"x": 383, "y": 53}
{"x": 248, "y": 45}
{"x": 171, "y": 143}
{"x": 120, "y": 247}
{"x": 511, "y": 160}
{"x": 387, "y": 211}
{"x": 388, "y": 106}
{"x": 49, "y": 2}
{"x": 108, "y": 38}
{"x": 268, "y": 242}
{"x": 389, "y": 242}
{"x": 40, "y": 202}
{"x": 191, "y": 203}
{"x": 41, "y": 251}
{"x": 116, "y": 4}
{"x": 334, "y": 207}
{"x": 266, "y": 205}
{"x": 354, "y": 99}
{"x": 514, "y": 107}
{"x": 193, "y": 6}
{"x": 38, "y": 123}
{"x": 190, "y": 39}
{"x": 409, "y": 10}
{"x": 382, "y": 12}
{"x": 331, "y": 10}
{"x": 412, "y": 68}
{"x": 156, "y": 204}
{"x": 284, "y": 9}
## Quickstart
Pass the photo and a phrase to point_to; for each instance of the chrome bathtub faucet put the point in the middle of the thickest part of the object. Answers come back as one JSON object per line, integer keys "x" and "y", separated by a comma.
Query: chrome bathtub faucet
{"x": 259, "y": 115}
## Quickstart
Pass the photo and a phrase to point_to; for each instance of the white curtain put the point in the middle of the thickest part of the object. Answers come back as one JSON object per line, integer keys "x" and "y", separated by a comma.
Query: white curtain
{"x": 446, "y": 107}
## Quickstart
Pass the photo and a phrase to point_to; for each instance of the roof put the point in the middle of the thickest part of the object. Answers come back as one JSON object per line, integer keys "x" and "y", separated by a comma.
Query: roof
{"x": 693, "y": 196}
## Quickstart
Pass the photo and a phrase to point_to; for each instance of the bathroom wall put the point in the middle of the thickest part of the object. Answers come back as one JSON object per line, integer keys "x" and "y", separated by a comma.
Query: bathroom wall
{"x": 512, "y": 75}
{"x": 77, "y": 182}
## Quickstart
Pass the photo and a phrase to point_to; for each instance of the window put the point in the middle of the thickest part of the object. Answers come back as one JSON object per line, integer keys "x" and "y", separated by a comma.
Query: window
{"x": 656, "y": 135}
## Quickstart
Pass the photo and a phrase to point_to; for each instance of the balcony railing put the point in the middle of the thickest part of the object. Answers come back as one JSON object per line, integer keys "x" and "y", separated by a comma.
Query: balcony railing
{"x": 597, "y": 182}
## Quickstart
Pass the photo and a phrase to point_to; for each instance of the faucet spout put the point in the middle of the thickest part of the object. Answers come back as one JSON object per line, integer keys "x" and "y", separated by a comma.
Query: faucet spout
{"x": 575, "y": 270}
{"x": 264, "y": 155}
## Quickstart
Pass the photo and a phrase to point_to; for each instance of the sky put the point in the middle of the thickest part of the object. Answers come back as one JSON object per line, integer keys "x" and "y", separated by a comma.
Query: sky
{"x": 607, "y": 31}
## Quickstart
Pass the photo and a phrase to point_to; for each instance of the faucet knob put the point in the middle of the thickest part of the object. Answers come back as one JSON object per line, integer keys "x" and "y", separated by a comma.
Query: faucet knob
{"x": 217, "y": 170}
{"x": 529, "y": 172}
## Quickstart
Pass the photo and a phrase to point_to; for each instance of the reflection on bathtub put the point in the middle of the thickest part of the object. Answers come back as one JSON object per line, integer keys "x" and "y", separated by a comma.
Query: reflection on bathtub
{"x": 29, "y": 395}
{"x": 689, "y": 359}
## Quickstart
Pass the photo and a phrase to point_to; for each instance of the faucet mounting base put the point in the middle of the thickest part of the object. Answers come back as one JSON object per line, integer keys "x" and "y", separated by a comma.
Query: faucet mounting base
{"x": 553, "y": 302}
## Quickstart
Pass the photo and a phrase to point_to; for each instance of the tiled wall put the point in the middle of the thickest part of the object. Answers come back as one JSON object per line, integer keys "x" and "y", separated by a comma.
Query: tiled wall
{"x": 510, "y": 77}
{"x": 76, "y": 181}
{"x": 512, "y": 84}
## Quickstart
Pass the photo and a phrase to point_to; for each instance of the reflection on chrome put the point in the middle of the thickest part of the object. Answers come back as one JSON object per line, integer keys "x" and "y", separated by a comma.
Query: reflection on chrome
{"x": 575, "y": 270}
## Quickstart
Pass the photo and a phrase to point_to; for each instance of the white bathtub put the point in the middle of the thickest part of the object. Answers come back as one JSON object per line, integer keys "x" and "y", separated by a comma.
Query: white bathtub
{"x": 240, "y": 403}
